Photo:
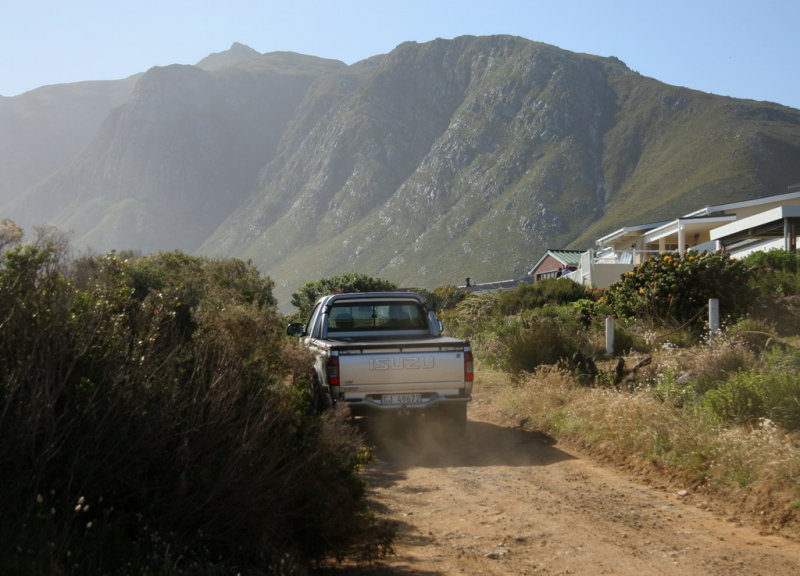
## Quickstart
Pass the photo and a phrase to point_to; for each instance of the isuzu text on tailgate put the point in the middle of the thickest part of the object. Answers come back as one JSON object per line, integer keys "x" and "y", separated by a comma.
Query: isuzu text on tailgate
{"x": 383, "y": 352}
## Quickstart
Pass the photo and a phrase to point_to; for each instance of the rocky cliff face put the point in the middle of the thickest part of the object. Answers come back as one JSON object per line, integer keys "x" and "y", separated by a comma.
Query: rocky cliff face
{"x": 437, "y": 161}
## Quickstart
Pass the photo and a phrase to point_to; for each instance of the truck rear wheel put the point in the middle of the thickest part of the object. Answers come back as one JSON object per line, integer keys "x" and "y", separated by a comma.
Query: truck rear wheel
{"x": 320, "y": 399}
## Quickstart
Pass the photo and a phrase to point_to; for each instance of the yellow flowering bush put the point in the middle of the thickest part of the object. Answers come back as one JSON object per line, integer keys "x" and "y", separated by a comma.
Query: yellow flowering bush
{"x": 675, "y": 288}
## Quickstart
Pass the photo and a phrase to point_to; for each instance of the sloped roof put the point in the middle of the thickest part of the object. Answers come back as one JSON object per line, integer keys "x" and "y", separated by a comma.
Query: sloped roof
{"x": 793, "y": 194}
{"x": 566, "y": 257}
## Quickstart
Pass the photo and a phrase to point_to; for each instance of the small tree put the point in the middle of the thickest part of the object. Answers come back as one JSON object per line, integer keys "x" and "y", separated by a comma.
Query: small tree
{"x": 309, "y": 293}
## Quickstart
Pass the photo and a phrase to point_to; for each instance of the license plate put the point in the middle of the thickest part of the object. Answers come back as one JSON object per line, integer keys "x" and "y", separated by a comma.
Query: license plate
{"x": 401, "y": 399}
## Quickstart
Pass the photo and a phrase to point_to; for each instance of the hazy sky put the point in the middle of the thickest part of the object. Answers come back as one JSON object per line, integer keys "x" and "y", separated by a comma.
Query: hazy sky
{"x": 741, "y": 48}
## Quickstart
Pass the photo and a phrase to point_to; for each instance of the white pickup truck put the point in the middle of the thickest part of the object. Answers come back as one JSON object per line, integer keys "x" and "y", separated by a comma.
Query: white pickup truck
{"x": 383, "y": 352}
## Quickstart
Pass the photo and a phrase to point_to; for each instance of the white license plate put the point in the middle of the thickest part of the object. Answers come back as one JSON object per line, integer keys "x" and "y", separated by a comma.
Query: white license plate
{"x": 401, "y": 399}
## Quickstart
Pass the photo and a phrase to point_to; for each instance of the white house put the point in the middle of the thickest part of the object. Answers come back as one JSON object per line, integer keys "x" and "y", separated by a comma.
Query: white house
{"x": 738, "y": 228}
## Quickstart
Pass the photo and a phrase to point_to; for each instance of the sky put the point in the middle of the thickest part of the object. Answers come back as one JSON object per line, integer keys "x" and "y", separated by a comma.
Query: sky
{"x": 740, "y": 48}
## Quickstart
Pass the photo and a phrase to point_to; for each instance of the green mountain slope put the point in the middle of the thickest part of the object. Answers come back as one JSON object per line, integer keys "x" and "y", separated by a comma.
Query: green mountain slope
{"x": 470, "y": 157}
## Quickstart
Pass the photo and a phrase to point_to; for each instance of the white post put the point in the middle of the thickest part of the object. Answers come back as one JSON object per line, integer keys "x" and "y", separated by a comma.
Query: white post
{"x": 610, "y": 335}
{"x": 713, "y": 317}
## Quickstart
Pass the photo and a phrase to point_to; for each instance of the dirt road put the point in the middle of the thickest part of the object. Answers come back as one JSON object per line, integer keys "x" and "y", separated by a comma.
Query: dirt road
{"x": 510, "y": 501}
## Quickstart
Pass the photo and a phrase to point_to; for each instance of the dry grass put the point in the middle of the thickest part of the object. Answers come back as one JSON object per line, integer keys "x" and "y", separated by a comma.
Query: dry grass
{"x": 747, "y": 469}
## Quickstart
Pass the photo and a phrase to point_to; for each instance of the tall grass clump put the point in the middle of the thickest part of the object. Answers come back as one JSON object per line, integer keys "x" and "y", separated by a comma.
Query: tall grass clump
{"x": 547, "y": 291}
{"x": 763, "y": 392}
{"x": 150, "y": 427}
{"x": 540, "y": 339}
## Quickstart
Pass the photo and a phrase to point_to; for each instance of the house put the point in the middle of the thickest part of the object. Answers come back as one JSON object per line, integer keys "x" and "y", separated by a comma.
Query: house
{"x": 739, "y": 228}
{"x": 555, "y": 263}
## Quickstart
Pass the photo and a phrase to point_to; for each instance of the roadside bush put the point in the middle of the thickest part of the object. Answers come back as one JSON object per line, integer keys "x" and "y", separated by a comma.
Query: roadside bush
{"x": 674, "y": 289}
{"x": 775, "y": 272}
{"x": 753, "y": 333}
{"x": 148, "y": 426}
{"x": 537, "y": 341}
{"x": 739, "y": 399}
{"x": 473, "y": 315}
{"x": 782, "y": 313}
{"x": 747, "y": 397}
{"x": 715, "y": 363}
{"x": 547, "y": 291}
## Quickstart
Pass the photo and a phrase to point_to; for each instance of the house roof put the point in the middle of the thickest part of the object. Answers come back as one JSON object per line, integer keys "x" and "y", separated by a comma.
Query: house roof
{"x": 704, "y": 219}
{"x": 752, "y": 224}
{"x": 627, "y": 231}
{"x": 793, "y": 194}
{"x": 688, "y": 225}
{"x": 566, "y": 257}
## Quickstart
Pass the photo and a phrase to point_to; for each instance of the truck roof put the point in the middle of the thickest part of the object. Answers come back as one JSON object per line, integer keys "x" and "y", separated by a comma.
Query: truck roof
{"x": 375, "y": 296}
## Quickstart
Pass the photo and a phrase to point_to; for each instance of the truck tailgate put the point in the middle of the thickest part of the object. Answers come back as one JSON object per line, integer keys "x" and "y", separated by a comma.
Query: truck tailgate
{"x": 412, "y": 368}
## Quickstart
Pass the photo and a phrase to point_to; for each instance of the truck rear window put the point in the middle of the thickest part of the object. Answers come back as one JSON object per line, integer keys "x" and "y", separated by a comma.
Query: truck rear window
{"x": 360, "y": 317}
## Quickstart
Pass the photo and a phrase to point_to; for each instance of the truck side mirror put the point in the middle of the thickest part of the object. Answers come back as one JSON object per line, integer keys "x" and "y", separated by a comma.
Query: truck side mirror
{"x": 295, "y": 329}
{"x": 434, "y": 323}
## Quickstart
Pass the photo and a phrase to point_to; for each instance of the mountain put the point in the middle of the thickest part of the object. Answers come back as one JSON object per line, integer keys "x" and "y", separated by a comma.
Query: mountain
{"x": 178, "y": 156}
{"x": 45, "y": 128}
{"x": 437, "y": 161}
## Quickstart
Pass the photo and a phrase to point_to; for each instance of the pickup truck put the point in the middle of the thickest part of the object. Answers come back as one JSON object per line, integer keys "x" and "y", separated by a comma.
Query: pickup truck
{"x": 384, "y": 353}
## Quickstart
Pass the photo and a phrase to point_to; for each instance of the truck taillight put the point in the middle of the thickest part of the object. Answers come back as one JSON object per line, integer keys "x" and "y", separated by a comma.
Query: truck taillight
{"x": 469, "y": 371}
{"x": 332, "y": 370}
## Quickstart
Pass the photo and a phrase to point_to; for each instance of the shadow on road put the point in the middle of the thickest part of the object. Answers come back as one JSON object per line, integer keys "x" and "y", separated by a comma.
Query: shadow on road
{"x": 401, "y": 444}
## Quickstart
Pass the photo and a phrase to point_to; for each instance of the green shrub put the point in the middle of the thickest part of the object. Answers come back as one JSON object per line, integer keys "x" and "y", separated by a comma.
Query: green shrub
{"x": 739, "y": 399}
{"x": 475, "y": 314}
{"x": 747, "y": 397}
{"x": 714, "y": 364}
{"x": 783, "y": 400}
{"x": 775, "y": 272}
{"x": 547, "y": 291}
{"x": 149, "y": 428}
{"x": 306, "y": 296}
{"x": 782, "y": 313}
{"x": 753, "y": 333}
{"x": 538, "y": 341}
{"x": 444, "y": 297}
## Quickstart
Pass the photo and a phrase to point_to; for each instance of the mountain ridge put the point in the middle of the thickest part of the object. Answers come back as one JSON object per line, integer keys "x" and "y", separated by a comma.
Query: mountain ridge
{"x": 434, "y": 162}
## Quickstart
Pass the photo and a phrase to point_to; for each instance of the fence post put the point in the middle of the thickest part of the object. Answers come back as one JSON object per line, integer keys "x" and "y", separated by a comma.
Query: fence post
{"x": 610, "y": 335}
{"x": 713, "y": 317}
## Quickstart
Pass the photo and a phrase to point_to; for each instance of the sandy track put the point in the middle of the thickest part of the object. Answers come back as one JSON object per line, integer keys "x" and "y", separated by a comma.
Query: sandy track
{"x": 510, "y": 501}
